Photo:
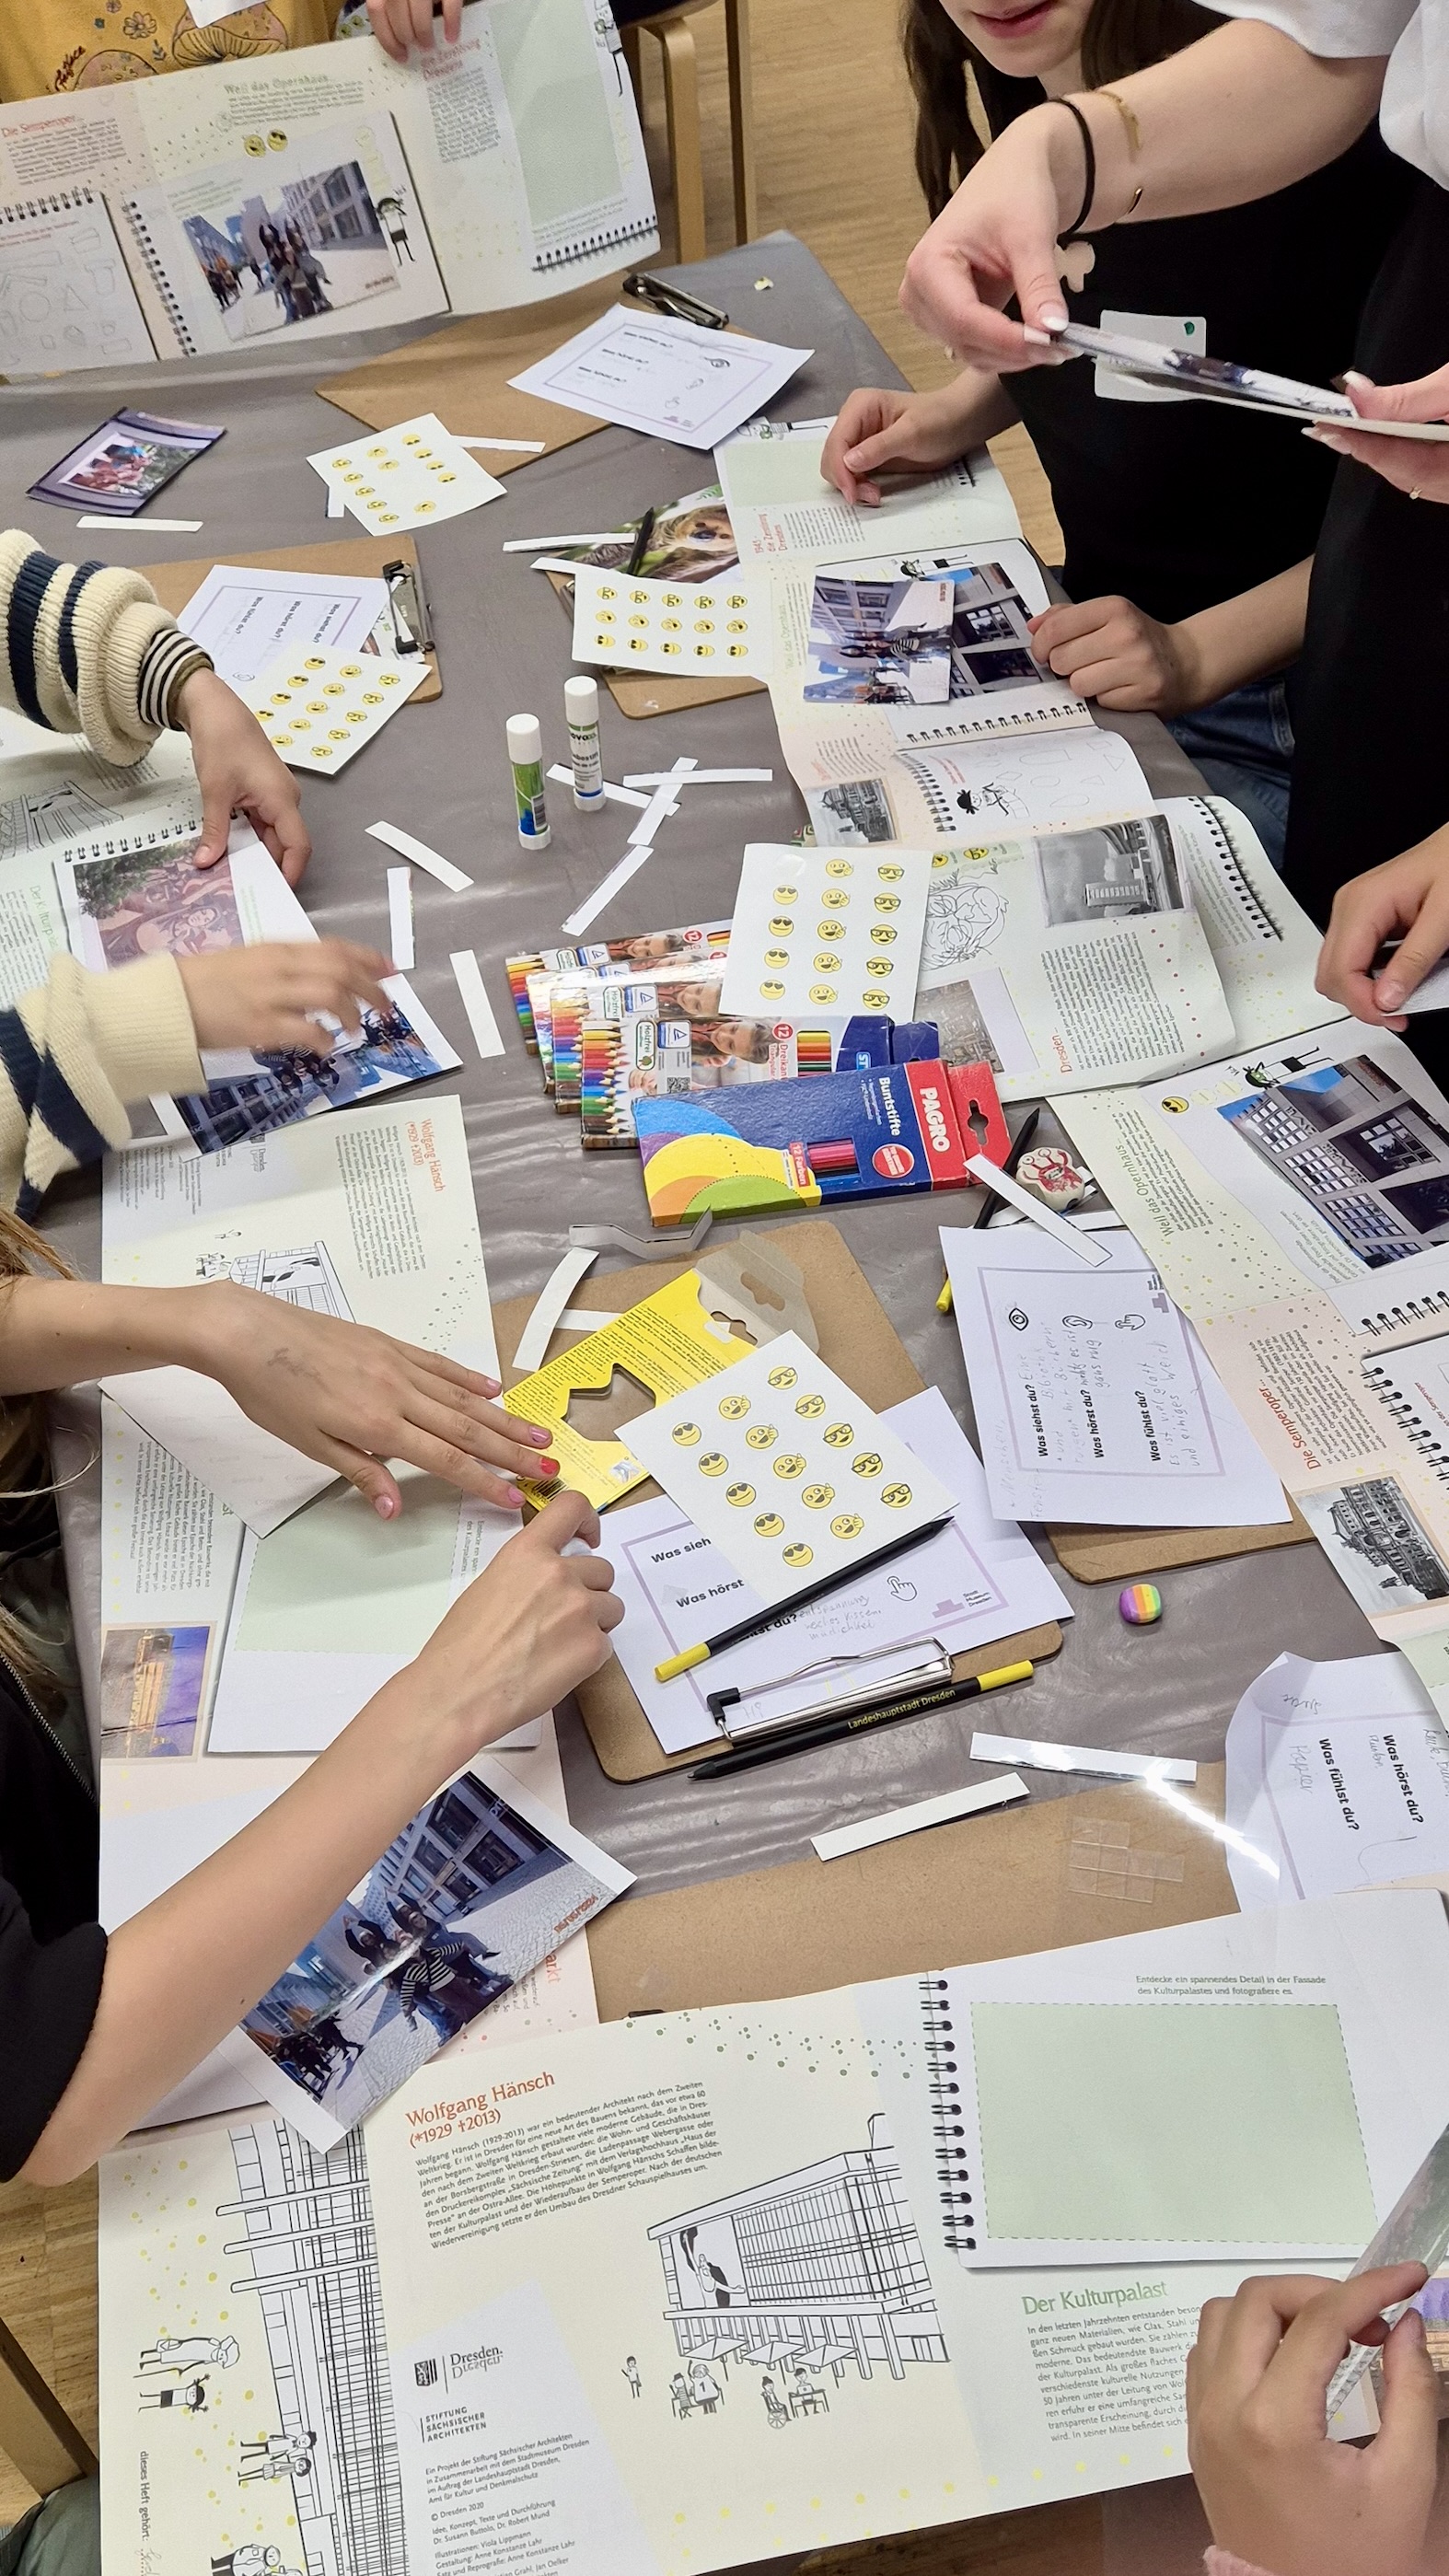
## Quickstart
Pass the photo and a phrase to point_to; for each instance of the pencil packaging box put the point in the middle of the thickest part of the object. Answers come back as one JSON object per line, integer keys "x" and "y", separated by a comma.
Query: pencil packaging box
{"x": 804, "y": 1144}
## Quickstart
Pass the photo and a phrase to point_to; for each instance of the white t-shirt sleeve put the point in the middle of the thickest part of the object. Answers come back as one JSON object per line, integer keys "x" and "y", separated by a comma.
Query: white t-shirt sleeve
{"x": 1336, "y": 27}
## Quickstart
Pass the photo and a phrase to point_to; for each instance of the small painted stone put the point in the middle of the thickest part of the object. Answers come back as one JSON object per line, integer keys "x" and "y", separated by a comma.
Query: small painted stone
{"x": 1140, "y": 1604}
{"x": 1051, "y": 1176}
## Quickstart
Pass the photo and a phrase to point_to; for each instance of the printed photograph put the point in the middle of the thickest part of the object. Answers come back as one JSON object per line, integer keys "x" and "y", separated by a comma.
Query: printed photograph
{"x": 1378, "y": 1545}
{"x": 879, "y": 643}
{"x": 1361, "y": 1151}
{"x": 1112, "y": 873}
{"x": 151, "y": 1684}
{"x": 276, "y": 250}
{"x": 465, "y": 1901}
{"x": 153, "y": 902}
{"x": 851, "y": 814}
{"x": 124, "y": 463}
{"x": 690, "y": 540}
{"x": 289, "y": 1087}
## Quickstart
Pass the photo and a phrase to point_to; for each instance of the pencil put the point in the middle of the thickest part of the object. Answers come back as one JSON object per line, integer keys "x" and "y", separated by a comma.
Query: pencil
{"x": 861, "y": 1721}
{"x": 993, "y": 1199}
{"x": 674, "y": 1665}
{"x": 640, "y": 546}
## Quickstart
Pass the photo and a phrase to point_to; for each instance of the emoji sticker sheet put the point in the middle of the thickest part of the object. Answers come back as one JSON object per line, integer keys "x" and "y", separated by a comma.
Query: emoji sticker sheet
{"x": 405, "y": 477}
{"x": 827, "y": 930}
{"x": 318, "y": 709}
{"x": 786, "y": 1471}
{"x": 701, "y": 630}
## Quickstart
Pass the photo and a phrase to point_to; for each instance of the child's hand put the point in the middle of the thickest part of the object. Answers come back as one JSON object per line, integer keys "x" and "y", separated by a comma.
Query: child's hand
{"x": 1108, "y": 650}
{"x": 353, "y": 1398}
{"x": 1277, "y": 2492}
{"x": 241, "y": 774}
{"x": 879, "y": 432}
{"x": 267, "y": 997}
{"x": 399, "y": 23}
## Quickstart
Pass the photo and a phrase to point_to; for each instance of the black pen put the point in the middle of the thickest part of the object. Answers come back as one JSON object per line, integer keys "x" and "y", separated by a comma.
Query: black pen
{"x": 1019, "y": 1143}
{"x": 835, "y": 1730}
{"x": 640, "y": 546}
{"x": 674, "y": 1665}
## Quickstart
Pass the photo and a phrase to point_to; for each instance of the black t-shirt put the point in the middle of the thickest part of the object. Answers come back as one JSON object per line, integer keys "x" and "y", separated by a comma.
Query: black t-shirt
{"x": 1179, "y": 505}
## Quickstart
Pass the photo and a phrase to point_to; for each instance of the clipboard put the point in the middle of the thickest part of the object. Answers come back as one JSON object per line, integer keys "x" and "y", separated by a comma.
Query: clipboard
{"x": 462, "y": 373}
{"x": 174, "y": 583}
{"x": 1041, "y": 1876}
{"x": 859, "y": 1342}
{"x": 1099, "y": 1555}
{"x": 653, "y": 693}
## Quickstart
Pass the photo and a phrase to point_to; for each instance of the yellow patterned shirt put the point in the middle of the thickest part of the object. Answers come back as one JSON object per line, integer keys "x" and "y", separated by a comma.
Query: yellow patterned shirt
{"x": 48, "y": 45}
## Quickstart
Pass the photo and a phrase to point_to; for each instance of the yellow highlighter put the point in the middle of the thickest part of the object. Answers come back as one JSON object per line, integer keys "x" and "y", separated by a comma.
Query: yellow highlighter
{"x": 674, "y": 1665}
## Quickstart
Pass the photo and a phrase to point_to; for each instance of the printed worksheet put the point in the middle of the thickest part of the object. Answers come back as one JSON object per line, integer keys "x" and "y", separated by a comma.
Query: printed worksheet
{"x": 666, "y": 378}
{"x": 1337, "y": 1778}
{"x": 247, "y": 618}
{"x": 786, "y": 1471}
{"x": 821, "y": 931}
{"x": 979, "y": 1580}
{"x": 1095, "y": 1400}
{"x": 783, "y": 511}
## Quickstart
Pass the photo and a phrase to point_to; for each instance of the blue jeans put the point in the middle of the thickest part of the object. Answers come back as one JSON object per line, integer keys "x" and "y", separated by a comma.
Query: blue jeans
{"x": 1243, "y": 744}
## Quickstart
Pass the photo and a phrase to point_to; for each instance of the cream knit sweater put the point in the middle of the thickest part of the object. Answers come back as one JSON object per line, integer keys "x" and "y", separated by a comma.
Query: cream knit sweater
{"x": 88, "y": 650}
{"x": 73, "y": 1053}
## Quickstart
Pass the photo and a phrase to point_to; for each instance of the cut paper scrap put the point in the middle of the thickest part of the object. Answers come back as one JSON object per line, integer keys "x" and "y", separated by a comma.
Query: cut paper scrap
{"x": 147, "y": 527}
{"x": 431, "y": 861}
{"x": 616, "y": 795}
{"x": 468, "y": 976}
{"x": 259, "y": 1477}
{"x": 1039, "y": 1756}
{"x": 548, "y": 1309}
{"x": 918, "y": 1819}
{"x": 577, "y": 922}
{"x": 406, "y": 477}
{"x": 400, "y": 918}
{"x": 982, "y": 1168}
{"x": 689, "y": 629}
{"x": 318, "y": 709}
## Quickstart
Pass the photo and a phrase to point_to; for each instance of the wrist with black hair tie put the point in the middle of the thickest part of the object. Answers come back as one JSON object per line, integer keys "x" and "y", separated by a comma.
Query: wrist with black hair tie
{"x": 1077, "y": 230}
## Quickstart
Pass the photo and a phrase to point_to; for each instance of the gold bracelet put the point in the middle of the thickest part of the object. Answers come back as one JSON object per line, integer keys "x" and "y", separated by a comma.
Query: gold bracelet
{"x": 1128, "y": 115}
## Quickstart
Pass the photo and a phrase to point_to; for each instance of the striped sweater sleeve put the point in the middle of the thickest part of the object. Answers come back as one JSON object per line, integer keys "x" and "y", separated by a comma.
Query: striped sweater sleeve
{"x": 86, "y": 648}
{"x": 73, "y": 1053}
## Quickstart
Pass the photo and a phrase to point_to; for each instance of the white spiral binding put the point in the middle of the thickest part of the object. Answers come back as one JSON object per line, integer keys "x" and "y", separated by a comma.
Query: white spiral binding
{"x": 1250, "y": 903}
{"x": 156, "y": 271}
{"x": 948, "y": 2130}
{"x": 1407, "y": 1420}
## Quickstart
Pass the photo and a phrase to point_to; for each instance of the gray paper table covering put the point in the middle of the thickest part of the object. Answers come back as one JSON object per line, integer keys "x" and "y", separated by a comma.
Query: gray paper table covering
{"x": 441, "y": 772}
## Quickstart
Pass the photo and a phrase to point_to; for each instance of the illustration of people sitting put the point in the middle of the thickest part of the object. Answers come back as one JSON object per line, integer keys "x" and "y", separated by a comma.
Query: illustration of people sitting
{"x": 280, "y": 2455}
{"x": 704, "y": 2388}
{"x": 191, "y": 2352}
{"x": 777, "y": 2412}
{"x": 190, "y": 2396}
{"x": 805, "y": 2397}
{"x": 679, "y": 2395}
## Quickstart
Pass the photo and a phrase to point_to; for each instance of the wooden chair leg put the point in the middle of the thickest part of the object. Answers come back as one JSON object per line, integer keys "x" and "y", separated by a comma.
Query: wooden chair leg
{"x": 35, "y": 2431}
{"x": 681, "y": 99}
{"x": 742, "y": 121}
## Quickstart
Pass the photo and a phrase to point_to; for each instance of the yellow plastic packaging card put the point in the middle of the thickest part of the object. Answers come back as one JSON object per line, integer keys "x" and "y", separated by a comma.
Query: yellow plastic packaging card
{"x": 738, "y": 1297}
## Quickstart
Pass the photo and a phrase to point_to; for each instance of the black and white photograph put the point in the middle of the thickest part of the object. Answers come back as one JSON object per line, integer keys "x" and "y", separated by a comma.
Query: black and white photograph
{"x": 852, "y": 813}
{"x": 1377, "y": 1544}
{"x": 1116, "y": 872}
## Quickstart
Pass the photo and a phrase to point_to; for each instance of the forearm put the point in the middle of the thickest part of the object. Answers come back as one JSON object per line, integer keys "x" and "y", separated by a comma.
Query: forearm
{"x": 182, "y": 1973}
{"x": 58, "y": 1332}
{"x": 1243, "y": 639}
{"x": 979, "y": 407}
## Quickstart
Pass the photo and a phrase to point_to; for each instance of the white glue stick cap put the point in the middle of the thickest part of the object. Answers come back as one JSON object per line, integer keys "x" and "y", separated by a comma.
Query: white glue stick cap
{"x": 525, "y": 741}
{"x": 581, "y": 699}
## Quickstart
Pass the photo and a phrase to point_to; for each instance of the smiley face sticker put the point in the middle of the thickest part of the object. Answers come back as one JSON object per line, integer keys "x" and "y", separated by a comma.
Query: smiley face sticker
{"x": 895, "y": 1497}
{"x": 685, "y": 1435}
{"x": 817, "y": 1498}
{"x": 837, "y": 1435}
{"x": 714, "y": 1463}
{"x": 869, "y": 1463}
{"x": 761, "y": 1435}
{"x": 846, "y": 1525}
{"x": 733, "y": 1408}
{"x": 789, "y": 1464}
{"x": 798, "y": 1554}
{"x": 782, "y": 1377}
{"x": 811, "y": 1407}
{"x": 740, "y": 1495}
{"x": 768, "y": 1525}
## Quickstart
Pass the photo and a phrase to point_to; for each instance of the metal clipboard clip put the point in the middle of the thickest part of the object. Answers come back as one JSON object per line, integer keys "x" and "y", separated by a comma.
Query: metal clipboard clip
{"x": 408, "y": 608}
{"x": 675, "y": 301}
{"x": 872, "y": 1679}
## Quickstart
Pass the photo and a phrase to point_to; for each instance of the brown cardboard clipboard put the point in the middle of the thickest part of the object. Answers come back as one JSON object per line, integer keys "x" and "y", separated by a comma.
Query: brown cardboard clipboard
{"x": 653, "y": 693}
{"x": 174, "y": 583}
{"x": 1096, "y": 1555}
{"x": 1041, "y": 1876}
{"x": 859, "y": 1342}
{"x": 462, "y": 374}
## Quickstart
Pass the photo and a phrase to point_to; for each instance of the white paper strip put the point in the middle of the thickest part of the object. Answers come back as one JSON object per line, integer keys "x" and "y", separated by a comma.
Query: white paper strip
{"x": 914, "y": 1820}
{"x": 580, "y": 537}
{"x": 549, "y": 1305}
{"x": 1078, "y": 1757}
{"x": 431, "y": 861}
{"x": 336, "y": 506}
{"x": 581, "y": 1319}
{"x": 593, "y": 904}
{"x": 665, "y": 800}
{"x": 147, "y": 527}
{"x": 700, "y": 777}
{"x": 617, "y": 795}
{"x": 982, "y": 1168}
{"x": 504, "y": 446}
{"x": 468, "y": 976}
{"x": 400, "y": 918}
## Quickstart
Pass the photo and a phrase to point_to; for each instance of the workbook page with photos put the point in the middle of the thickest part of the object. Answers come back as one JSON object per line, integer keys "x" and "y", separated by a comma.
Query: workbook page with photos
{"x": 261, "y": 198}
{"x": 606, "y": 2278}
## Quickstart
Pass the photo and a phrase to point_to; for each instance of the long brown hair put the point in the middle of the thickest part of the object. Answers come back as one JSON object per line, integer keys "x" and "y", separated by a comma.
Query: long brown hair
{"x": 23, "y": 1439}
{"x": 1120, "y": 36}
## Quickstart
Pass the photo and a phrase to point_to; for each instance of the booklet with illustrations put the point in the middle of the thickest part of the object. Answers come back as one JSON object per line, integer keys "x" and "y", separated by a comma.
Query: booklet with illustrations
{"x": 306, "y": 194}
{"x": 768, "y": 2277}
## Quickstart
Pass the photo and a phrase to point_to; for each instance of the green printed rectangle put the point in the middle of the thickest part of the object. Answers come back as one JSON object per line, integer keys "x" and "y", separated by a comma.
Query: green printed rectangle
{"x": 336, "y": 1580}
{"x": 1162, "y": 2123}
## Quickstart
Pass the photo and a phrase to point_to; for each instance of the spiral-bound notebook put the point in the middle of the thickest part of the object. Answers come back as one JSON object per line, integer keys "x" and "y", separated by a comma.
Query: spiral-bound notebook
{"x": 1413, "y": 1384}
{"x": 66, "y": 299}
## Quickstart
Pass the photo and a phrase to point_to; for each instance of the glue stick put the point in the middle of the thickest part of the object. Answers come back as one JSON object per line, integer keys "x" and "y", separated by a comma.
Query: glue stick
{"x": 581, "y": 708}
{"x": 525, "y": 752}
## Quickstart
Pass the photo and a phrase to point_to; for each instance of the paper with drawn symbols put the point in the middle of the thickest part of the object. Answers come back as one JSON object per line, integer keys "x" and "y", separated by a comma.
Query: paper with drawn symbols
{"x": 405, "y": 477}
{"x": 317, "y": 709}
{"x": 696, "y": 630}
{"x": 826, "y": 930}
{"x": 783, "y": 1467}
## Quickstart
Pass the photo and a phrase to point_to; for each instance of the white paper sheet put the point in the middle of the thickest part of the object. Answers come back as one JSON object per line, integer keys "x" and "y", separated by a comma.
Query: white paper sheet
{"x": 1337, "y": 1778}
{"x": 783, "y": 511}
{"x": 407, "y": 477}
{"x": 979, "y": 1580}
{"x": 1094, "y": 1398}
{"x": 260, "y": 1478}
{"x": 319, "y": 709}
{"x": 698, "y": 630}
{"x": 669, "y": 379}
{"x": 247, "y": 618}
{"x": 783, "y": 1468}
{"x": 826, "y": 930}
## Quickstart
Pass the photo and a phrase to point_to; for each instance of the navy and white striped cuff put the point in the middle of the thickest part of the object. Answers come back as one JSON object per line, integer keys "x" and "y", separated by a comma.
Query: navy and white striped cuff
{"x": 167, "y": 663}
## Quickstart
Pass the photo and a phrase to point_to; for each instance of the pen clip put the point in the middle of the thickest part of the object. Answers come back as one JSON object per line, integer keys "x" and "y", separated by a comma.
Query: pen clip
{"x": 675, "y": 302}
{"x": 717, "y": 1702}
{"x": 407, "y": 607}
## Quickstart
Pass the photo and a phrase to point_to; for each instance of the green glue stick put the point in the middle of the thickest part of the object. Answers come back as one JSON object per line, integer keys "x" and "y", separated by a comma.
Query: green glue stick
{"x": 525, "y": 753}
